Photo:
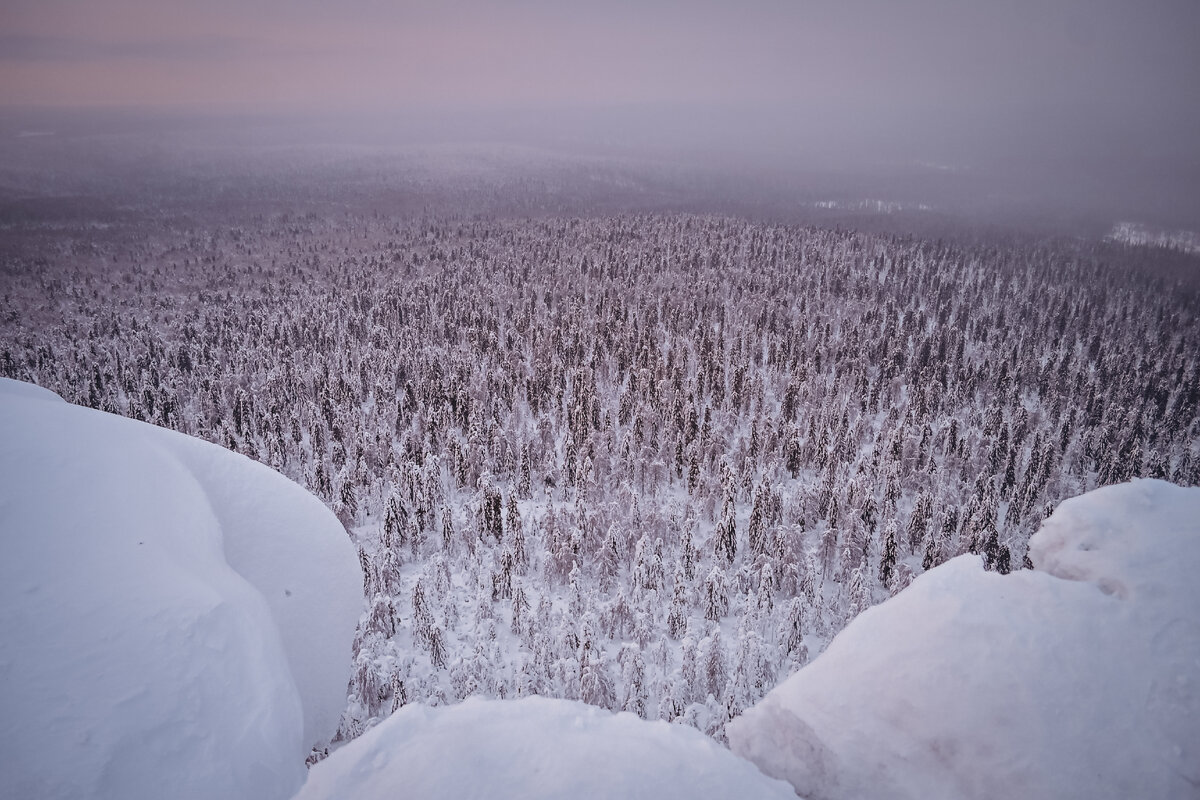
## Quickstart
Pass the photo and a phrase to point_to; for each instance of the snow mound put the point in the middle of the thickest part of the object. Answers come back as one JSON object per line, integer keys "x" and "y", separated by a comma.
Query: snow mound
{"x": 533, "y": 748}
{"x": 175, "y": 619}
{"x": 1080, "y": 678}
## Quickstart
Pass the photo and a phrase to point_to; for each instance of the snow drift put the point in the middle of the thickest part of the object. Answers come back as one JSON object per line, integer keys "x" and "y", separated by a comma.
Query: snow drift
{"x": 1080, "y": 678}
{"x": 175, "y": 619}
{"x": 533, "y": 748}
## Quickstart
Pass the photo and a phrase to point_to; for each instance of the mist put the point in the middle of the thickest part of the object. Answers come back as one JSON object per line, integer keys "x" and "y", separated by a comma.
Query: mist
{"x": 1060, "y": 110}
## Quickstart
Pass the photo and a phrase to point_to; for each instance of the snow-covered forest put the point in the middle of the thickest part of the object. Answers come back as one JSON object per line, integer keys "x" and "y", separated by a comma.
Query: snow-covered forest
{"x": 650, "y": 462}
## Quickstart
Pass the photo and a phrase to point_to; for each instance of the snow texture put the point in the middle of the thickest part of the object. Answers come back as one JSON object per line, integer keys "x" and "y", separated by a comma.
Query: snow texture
{"x": 175, "y": 619}
{"x": 532, "y": 748}
{"x": 1080, "y": 678}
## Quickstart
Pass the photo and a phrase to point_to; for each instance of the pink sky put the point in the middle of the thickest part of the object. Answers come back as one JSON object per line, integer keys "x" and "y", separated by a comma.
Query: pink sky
{"x": 363, "y": 53}
{"x": 1106, "y": 80}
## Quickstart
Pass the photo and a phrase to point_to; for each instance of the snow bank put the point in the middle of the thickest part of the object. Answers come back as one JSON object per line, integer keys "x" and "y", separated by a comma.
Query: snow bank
{"x": 533, "y": 748}
{"x": 1078, "y": 679}
{"x": 175, "y": 620}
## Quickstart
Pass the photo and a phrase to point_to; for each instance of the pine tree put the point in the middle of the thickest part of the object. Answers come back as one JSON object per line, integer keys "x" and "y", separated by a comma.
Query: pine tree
{"x": 991, "y": 549}
{"x": 689, "y": 671}
{"x": 525, "y": 483}
{"x": 687, "y": 555}
{"x": 447, "y": 531}
{"x": 678, "y": 613}
{"x": 399, "y": 693}
{"x": 595, "y": 684}
{"x": 752, "y": 674}
{"x": 1004, "y": 560}
{"x": 427, "y": 634}
{"x": 933, "y": 552}
{"x": 520, "y": 556}
{"x": 918, "y": 522}
{"x": 726, "y": 535}
{"x": 633, "y": 680}
{"x": 716, "y": 595}
{"x": 887, "y": 562}
{"x": 859, "y": 594}
{"x": 756, "y": 533}
{"x": 382, "y": 616}
{"x": 513, "y": 515}
{"x": 791, "y": 635}
{"x": 693, "y": 475}
{"x": 577, "y": 605}
{"x": 607, "y": 563}
{"x": 764, "y": 601}
{"x": 714, "y": 671}
{"x": 491, "y": 516}
{"x": 437, "y": 648}
{"x": 349, "y": 504}
{"x": 520, "y": 611}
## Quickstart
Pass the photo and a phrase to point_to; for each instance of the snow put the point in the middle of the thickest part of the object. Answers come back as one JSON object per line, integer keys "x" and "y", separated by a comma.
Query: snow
{"x": 533, "y": 748}
{"x": 1136, "y": 234}
{"x": 1080, "y": 678}
{"x": 174, "y": 618}
{"x": 871, "y": 205}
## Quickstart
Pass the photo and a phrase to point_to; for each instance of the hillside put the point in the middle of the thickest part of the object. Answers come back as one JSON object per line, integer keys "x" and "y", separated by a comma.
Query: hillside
{"x": 175, "y": 614}
{"x": 686, "y": 450}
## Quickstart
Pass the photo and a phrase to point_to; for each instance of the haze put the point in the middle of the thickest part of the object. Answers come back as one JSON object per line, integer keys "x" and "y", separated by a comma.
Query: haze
{"x": 1068, "y": 101}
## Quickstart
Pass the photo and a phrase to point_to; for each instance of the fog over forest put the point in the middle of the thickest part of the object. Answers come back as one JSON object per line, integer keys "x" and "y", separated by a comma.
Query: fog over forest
{"x": 1068, "y": 114}
{"x": 685, "y": 158}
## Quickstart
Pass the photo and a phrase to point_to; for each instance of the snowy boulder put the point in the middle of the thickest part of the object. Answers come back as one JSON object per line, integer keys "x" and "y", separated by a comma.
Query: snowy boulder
{"x": 1080, "y": 678}
{"x": 175, "y": 619}
{"x": 533, "y": 748}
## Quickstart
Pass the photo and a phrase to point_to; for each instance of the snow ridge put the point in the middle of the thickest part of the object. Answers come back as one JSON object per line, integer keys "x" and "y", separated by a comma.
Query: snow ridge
{"x": 1079, "y": 678}
{"x": 159, "y": 603}
{"x": 535, "y": 748}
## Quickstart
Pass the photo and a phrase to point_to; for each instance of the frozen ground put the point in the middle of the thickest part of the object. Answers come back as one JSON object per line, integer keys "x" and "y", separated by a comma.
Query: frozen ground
{"x": 1080, "y": 678}
{"x": 175, "y": 620}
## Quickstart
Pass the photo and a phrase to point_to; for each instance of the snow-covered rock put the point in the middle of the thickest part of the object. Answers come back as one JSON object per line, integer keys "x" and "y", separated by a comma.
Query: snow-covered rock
{"x": 175, "y": 620}
{"x": 1080, "y": 678}
{"x": 533, "y": 748}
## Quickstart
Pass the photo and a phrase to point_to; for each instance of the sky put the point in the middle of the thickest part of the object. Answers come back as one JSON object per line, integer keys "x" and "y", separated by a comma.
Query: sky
{"x": 945, "y": 81}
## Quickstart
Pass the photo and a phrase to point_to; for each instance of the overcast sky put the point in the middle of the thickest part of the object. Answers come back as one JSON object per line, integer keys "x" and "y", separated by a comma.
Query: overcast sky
{"x": 1103, "y": 78}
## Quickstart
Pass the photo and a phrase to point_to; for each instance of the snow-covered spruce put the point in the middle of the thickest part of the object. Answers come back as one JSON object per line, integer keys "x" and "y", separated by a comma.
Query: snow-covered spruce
{"x": 175, "y": 620}
{"x": 733, "y": 435}
{"x": 1079, "y": 678}
{"x": 534, "y": 749}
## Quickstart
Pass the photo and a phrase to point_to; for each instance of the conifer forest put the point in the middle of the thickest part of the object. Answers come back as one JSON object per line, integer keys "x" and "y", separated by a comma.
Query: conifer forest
{"x": 652, "y": 461}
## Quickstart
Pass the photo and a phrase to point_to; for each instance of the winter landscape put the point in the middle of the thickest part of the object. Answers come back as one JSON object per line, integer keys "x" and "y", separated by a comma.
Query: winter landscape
{"x": 575, "y": 446}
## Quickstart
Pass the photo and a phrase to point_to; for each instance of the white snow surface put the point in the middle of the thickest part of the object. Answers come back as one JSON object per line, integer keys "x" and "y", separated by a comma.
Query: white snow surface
{"x": 1080, "y": 678}
{"x": 533, "y": 748}
{"x": 175, "y": 620}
